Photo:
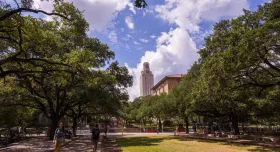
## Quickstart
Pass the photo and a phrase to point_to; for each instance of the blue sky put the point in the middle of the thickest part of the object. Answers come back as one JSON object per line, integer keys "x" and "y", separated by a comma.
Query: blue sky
{"x": 167, "y": 34}
{"x": 144, "y": 28}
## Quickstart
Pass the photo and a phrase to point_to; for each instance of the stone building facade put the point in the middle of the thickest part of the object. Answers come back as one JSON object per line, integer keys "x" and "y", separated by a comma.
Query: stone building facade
{"x": 167, "y": 84}
{"x": 146, "y": 80}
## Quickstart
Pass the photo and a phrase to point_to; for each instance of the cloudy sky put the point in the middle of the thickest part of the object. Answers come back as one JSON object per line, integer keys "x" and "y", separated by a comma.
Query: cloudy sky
{"x": 167, "y": 34}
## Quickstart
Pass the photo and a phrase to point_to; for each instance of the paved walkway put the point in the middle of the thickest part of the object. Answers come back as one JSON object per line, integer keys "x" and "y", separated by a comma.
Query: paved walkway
{"x": 42, "y": 144}
{"x": 83, "y": 144}
{"x": 109, "y": 145}
{"x": 140, "y": 134}
{"x": 38, "y": 144}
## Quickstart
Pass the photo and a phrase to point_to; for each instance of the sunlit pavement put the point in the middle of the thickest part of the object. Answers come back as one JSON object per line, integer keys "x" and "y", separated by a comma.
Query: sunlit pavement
{"x": 87, "y": 132}
{"x": 140, "y": 134}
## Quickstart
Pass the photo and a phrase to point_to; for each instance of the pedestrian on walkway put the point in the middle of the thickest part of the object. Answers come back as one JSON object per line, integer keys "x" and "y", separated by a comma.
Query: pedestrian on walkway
{"x": 205, "y": 131}
{"x": 106, "y": 130}
{"x": 59, "y": 137}
{"x": 95, "y": 136}
{"x": 19, "y": 129}
{"x": 176, "y": 131}
{"x": 157, "y": 129}
{"x": 24, "y": 131}
{"x": 194, "y": 128}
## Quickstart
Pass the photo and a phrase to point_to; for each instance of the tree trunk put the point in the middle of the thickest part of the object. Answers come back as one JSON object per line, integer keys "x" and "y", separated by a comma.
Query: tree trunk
{"x": 159, "y": 123}
{"x": 74, "y": 127}
{"x": 54, "y": 125}
{"x": 234, "y": 121}
{"x": 187, "y": 124}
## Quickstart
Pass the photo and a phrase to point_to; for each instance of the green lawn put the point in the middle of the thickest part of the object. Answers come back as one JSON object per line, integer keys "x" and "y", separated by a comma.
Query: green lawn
{"x": 176, "y": 144}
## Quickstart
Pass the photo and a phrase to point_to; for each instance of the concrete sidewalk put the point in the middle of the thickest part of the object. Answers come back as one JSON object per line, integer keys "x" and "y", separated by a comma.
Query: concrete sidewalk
{"x": 38, "y": 144}
{"x": 42, "y": 144}
{"x": 108, "y": 145}
{"x": 81, "y": 144}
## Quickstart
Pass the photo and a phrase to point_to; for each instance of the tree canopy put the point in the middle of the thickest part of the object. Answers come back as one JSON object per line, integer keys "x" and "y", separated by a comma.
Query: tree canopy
{"x": 53, "y": 66}
{"x": 236, "y": 78}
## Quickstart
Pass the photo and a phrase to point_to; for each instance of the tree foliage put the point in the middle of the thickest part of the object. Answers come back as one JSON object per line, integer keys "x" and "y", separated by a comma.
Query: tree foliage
{"x": 236, "y": 78}
{"x": 55, "y": 67}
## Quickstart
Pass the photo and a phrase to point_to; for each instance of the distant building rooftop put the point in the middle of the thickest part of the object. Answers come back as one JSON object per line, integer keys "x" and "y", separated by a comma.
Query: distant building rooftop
{"x": 176, "y": 76}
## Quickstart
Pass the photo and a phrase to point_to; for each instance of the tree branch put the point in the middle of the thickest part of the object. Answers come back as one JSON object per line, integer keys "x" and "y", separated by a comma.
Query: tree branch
{"x": 271, "y": 65}
{"x": 15, "y": 11}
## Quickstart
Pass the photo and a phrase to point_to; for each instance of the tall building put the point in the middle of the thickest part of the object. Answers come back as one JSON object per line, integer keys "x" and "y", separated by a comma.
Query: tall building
{"x": 146, "y": 80}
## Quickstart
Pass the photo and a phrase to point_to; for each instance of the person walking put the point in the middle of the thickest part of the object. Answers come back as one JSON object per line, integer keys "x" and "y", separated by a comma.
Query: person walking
{"x": 19, "y": 129}
{"x": 194, "y": 128}
{"x": 176, "y": 131}
{"x": 95, "y": 136}
{"x": 205, "y": 131}
{"x": 24, "y": 131}
{"x": 59, "y": 137}
{"x": 106, "y": 130}
{"x": 157, "y": 129}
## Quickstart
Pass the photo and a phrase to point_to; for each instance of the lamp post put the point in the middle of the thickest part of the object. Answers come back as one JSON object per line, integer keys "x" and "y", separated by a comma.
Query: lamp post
{"x": 162, "y": 127}
{"x": 80, "y": 127}
{"x": 122, "y": 126}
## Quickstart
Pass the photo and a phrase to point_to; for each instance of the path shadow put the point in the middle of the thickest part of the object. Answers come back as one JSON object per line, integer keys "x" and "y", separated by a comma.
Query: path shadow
{"x": 82, "y": 144}
{"x": 32, "y": 144}
{"x": 110, "y": 146}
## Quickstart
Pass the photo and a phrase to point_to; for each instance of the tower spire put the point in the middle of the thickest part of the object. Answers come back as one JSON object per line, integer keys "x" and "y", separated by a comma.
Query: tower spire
{"x": 146, "y": 80}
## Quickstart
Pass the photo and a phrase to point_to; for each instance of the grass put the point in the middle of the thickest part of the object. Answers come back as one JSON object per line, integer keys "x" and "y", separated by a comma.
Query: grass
{"x": 176, "y": 144}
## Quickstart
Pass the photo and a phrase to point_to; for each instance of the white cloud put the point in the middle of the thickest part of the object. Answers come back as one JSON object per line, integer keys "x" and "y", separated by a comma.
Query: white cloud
{"x": 153, "y": 36}
{"x": 176, "y": 50}
{"x": 174, "y": 55}
{"x": 98, "y": 13}
{"x": 187, "y": 14}
{"x": 122, "y": 29}
{"x": 113, "y": 37}
{"x": 140, "y": 48}
{"x": 126, "y": 46}
{"x": 131, "y": 8}
{"x": 136, "y": 43}
{"x": 149, "y": 10}
{"x": 127, "y": 37}
{"x": 47, "y": 6}
{"x": 144, "y": 40}
{"x": 129, "y": 22}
